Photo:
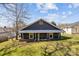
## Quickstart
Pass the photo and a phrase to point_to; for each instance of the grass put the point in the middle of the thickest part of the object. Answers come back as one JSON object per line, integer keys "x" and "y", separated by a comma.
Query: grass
{"x": 67, "y": 46}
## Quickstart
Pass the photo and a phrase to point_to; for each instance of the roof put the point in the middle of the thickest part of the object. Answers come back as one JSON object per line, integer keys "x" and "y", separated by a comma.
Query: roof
{"x": 75, "y": 23}
{"x": 41, "y": 26}
{"x": 65, "y": 26}
{"x": 7, "y": 29}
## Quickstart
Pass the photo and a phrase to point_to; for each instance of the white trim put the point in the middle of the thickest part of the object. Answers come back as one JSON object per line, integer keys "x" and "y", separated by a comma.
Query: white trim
{"x": 35, "y": 36}
{"x": 40, "y": 31}
{"x": 38, "y": 37}
{"x": 32, "y": 36}
{"x": 50, "y": 34}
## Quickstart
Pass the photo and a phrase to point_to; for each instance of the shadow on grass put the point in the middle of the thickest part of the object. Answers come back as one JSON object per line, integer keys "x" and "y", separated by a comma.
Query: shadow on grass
{"x": 63, "y": 38}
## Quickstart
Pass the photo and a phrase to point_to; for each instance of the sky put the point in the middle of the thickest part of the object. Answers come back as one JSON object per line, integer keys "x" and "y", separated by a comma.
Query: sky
{"x": 57, "y": 12}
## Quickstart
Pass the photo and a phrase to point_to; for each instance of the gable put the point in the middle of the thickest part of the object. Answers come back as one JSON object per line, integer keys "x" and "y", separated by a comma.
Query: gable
{"x": 41, "y": 25}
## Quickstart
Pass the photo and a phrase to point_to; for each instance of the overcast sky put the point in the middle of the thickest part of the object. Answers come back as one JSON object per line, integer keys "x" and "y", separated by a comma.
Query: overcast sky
{"x": 59, "y": 12}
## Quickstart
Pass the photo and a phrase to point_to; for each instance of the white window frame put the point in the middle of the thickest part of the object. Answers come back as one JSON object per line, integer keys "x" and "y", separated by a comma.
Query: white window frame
{"x": 30, "y": 36}
{"x": 50, "y": 34}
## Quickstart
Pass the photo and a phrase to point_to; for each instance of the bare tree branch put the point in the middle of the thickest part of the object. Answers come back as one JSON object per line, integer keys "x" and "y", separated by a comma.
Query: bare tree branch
{"x": 16, "y": 13}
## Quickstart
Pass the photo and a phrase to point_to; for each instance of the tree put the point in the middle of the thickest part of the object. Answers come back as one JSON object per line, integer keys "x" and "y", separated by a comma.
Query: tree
{"x": 16, "y": 12}
{"x": 53, "y": 23}
{"x": 21, "y": 24}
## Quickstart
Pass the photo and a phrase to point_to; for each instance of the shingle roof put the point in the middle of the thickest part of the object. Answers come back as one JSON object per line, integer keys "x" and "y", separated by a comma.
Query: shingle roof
{"x": 45, "y": 26}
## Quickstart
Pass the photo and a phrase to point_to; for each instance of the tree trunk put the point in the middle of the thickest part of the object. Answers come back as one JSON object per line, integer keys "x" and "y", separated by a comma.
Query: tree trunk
{"x": 16, "y": 23}
{"x": 16, "y": 30}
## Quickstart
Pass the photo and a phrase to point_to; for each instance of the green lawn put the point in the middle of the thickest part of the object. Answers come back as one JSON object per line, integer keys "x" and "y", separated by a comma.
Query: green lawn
{"x": 68, "y": 46}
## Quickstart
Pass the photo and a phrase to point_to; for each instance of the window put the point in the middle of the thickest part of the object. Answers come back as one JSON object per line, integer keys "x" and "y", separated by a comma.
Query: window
{"x": 51, "y": 36}
{"x": 56, "y": 35}
{"x": 31, "y": 36}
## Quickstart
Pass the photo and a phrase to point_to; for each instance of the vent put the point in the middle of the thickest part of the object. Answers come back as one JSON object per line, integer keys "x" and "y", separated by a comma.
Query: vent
{"x": 41, "y": 23}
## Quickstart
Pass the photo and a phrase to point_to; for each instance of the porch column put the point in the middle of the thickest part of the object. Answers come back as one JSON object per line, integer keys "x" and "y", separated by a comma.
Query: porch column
{"x": 59, "y": 36}
{"x": 35, "y": 36}
{"x": 47, "y": 35}
{"x": 52, "y": 36}
{"x": 22, "y": 36}
{"x": 29, "y": 35}
{"x": 38, "y": 36}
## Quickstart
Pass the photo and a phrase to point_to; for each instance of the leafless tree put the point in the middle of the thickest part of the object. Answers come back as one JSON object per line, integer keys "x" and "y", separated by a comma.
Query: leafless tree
{"x": 21, "y": 24}
{"x": 16, "y": 13}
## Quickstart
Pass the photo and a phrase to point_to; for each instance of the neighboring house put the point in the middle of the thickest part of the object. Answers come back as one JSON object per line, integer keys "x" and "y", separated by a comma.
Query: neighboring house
{"x": 40, "y": 30}
{"x": 66, "y": 27}
{"x": 6, "y": 31}
{"x": 72, "y": 28}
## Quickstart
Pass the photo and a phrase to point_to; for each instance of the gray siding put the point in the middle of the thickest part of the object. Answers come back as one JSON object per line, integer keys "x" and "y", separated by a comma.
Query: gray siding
{"x": 44, "y": 26}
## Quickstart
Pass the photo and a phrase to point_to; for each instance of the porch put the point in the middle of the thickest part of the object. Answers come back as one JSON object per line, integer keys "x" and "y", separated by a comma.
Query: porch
{"x": 40, "y": 36}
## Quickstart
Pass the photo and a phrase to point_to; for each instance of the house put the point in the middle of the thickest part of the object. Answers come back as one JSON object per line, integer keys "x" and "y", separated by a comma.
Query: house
{"x": 66, "y": 27}
{"x": 5, "y": 33}
{"x": 72, "y": 28}
{"x": 40, "y": 30}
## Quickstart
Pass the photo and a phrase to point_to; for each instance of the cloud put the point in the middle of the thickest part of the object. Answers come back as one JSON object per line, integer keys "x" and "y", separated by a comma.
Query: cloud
{"x": 43, "y": 11}
{"x": 63, "y": 13}
{"x": 70, "y": 6}
{"x": 75, "y": 5}
{"x": 51, "y": 6}
{"x": 64, "y": 16}
{"x": 51, "y": 17}
{"x": 44, "y": 7}
{"x": 69, "y": 13}
{"x": 39, "y": 5}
